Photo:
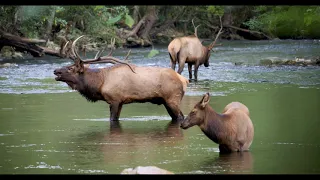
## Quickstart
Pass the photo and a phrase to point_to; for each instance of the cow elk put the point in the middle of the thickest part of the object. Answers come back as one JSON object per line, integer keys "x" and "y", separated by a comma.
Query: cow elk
{"x": 232, "y": 130}
{"x": 124, "y": 83}
{"x": 189, "y": 49}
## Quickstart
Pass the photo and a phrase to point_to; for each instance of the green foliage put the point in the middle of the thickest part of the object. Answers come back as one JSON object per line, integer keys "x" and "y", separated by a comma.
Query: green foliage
{"x": 6, "y": 14}
{"x": 152, "y": 53}
{"x": 114, "y": 19}
{"x": 287, "y": 21}
{"x": 102, "y": 22}
{"x": 216, "y": 10}
{"x": 254, "y": 24}
{"x": 129, "y": 21}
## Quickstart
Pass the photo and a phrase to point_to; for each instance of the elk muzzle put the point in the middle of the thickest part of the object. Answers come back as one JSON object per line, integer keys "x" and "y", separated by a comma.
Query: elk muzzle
{"x": 59, "y": 73}
{"x": 186, "y": 123}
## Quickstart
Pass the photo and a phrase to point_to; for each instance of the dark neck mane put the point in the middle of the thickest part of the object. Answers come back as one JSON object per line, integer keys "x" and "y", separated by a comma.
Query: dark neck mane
{"x": 89, "y": 85}
{"x": 212, "y": 125}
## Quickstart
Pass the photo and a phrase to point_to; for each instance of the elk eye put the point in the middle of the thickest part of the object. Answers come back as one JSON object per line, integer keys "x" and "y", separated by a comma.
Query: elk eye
{"x": 193, "y": 111}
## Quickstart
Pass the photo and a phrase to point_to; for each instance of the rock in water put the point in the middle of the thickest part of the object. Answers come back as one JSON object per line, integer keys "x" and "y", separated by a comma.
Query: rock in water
{"x": 145, "y": 170}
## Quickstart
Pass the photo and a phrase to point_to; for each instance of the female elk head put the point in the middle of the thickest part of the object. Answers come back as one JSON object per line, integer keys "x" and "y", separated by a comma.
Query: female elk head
{"x": 197, "y": 115}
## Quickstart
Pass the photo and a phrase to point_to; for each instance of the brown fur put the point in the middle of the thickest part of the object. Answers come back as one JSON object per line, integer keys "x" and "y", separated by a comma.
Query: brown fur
{"x": 117, "y": 85}
{"x": 232, "y": 130}
{"x": 188, "y": 50}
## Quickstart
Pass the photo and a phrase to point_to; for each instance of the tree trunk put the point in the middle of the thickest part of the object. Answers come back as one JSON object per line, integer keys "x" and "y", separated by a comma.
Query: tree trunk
{"x": 150, "y": 20}
{"x": 49, "y": 23}
{"x": 17, "y": 20}
{"x": 27, "y": 45}
{"x": 136, "y": 14}
{"x": 136, "y": 28}
{"x": 249, "y": 31}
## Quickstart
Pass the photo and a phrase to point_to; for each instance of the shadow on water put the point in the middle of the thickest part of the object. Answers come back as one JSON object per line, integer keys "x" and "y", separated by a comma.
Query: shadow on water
{"x": 233, "y": 163}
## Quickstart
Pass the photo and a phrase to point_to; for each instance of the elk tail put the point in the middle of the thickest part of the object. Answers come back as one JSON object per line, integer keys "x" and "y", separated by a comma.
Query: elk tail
{"x": 184, "y": 81}
{"x": 170, "y": 57}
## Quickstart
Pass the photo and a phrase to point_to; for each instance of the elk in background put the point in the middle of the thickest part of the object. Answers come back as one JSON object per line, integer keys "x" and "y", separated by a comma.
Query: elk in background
{"x": 124, "y": 83}
{"x": 189, "y": 49}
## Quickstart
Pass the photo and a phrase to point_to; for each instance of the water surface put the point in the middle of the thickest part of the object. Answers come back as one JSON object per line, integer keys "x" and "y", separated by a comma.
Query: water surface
{"x": 48, "y": 129}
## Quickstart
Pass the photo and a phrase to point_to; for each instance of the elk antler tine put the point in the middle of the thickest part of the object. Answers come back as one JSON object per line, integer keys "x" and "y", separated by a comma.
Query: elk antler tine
{"x": 195, "y": 28}
{"x": 113, "y": 41}
{"x": 192, "y": 22}
{"x": 65, "y": 45}
{"x": 128, "y": 54}
{"x": 220, "y": 32}
{"x": 101, "y": 52}
{"x": 97, "y": 55}
{"x": 75, "y": 53}
{"x": 110, "y": 53}
{"x": 119, "y": 61}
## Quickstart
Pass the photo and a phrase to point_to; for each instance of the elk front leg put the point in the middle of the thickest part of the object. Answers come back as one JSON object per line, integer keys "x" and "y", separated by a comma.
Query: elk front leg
{"x": 196, "y": 66}
{"x": 115, "y": 109}
{"x": 190, "y": 70}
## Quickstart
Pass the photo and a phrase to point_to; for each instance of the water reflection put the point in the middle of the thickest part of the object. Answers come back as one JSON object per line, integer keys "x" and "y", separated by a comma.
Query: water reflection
{"x": 132, "y": 145}
{"x": 172, "y": 130}
{"x": 233, "y": 163}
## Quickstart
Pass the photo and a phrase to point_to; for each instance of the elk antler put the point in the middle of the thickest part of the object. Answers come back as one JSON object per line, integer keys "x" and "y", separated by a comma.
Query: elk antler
{"x": 215, "y": 40}
{"x": 99, "y": 53}
{"x": 103, "y": 59}
{"x": 195, "y": 28}
{"x": 110, "y": 59}
{"x": 74, "y": 52}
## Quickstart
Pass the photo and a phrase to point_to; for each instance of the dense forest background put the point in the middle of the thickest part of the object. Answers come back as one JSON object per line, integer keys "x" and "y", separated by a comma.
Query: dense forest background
{"x": 141, "y": 26}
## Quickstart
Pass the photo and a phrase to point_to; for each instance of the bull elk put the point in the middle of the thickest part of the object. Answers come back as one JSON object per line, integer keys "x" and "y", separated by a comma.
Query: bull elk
{"x": 189, "y": 49}
{"x": 124, "y": 83}
{"x": 232, "y": 130}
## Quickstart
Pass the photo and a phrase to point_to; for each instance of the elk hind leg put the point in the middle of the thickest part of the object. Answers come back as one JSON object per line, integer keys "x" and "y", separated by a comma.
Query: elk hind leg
{"x": 173, "y": 62}
{"x": 115, "y": 109}
{"x": 181, "y": 61}
{"x": 174, "y": 111}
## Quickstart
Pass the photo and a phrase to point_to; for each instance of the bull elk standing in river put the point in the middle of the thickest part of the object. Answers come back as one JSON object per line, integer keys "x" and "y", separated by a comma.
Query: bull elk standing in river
{"x": 124, "y": 83}
{"x": 189, "y": 49}
{"x": 232, "y": 130}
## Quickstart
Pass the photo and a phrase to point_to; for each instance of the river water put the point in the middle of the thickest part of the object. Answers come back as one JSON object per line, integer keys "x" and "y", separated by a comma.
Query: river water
{"x": 46, "y": 128}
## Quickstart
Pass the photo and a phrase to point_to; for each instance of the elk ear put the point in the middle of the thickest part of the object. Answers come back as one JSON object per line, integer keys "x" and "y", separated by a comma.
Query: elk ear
{"x": 205, "y": 100}
{"x": 79, "y": 65}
